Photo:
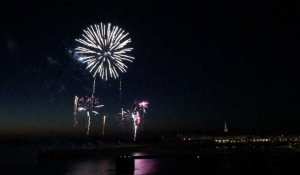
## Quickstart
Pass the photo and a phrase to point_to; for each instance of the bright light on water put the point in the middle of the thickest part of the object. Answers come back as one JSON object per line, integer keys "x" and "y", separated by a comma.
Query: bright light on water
{"x": 145, "y": 166}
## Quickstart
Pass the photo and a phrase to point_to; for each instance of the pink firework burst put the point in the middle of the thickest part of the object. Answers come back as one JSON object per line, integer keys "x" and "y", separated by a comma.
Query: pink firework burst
{"x": 144, "y": 104}
{"x": 136, "y": 118}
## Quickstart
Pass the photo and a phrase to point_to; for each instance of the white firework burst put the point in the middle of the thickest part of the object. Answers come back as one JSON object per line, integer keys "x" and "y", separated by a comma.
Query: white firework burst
{"x": 104, "y": 49}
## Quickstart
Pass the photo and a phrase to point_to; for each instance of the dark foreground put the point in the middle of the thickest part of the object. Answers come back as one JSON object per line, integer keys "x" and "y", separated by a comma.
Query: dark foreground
{"x": 176, "y": 158}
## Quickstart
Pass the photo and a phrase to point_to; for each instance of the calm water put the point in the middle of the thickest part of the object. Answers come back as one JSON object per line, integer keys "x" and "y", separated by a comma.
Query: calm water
{"x": 22, "y": 160}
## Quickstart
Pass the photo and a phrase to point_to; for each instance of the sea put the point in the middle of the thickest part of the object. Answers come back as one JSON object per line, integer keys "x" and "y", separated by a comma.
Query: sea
{"x": 23, "y": 159}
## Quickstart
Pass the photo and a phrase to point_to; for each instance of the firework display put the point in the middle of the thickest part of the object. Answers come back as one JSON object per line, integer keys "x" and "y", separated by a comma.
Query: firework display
{"x": 88, "y": 106}
{"x": 136, "y": 115}
{"x": 105, "y": 50}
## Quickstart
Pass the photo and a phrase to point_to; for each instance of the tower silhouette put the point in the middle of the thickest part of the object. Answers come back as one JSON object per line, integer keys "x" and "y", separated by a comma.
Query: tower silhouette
{"x": 225, "y": 128}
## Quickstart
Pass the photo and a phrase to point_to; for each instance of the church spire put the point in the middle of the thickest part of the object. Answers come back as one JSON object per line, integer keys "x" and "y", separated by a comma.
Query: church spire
{"x": 225, "y": 128}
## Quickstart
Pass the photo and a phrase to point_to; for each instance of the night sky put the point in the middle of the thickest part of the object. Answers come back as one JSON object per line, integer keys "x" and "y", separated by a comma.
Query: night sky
{"x": 199, "y": 64}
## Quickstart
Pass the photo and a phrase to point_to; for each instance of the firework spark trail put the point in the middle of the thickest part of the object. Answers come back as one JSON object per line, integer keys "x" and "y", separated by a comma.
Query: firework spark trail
{"x": 94, "y": 87}
{"x": 105, "y": 50}
{"x": 122, "y": 113}
{"x": 75, "y": 111}
{"x": 89, "y": 122}
{"x": 140, "y": 111}
{"x": 136, "y": 121}
{"x": 120, "y": 89}
{"x": 103, "y": 125}
{"x": 135, "y": 130}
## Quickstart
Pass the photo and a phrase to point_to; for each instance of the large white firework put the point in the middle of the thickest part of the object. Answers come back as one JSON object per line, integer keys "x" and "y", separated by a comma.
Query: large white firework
{"x": 104, "y": 48}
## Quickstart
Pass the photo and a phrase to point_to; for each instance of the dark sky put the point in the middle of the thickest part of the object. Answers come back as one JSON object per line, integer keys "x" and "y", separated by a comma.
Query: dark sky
{"x": 199, "y": 64}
